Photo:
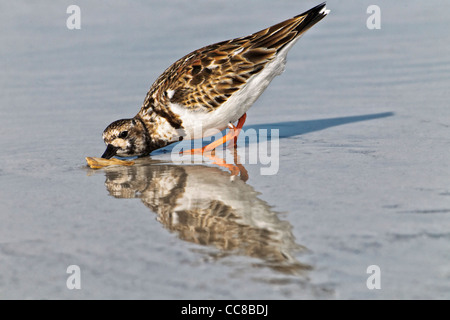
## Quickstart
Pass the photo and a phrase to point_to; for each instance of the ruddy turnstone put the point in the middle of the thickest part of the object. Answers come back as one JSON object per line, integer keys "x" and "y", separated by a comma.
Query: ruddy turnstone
{"x": 210, "y": 88}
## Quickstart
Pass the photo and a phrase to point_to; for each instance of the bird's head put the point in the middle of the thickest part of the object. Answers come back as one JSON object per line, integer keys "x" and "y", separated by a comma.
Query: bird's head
{"x": 125, "y": 138}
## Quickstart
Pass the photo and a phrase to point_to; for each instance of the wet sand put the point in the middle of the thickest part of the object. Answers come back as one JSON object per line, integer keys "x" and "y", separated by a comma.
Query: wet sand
{"x": 363, "y": 175}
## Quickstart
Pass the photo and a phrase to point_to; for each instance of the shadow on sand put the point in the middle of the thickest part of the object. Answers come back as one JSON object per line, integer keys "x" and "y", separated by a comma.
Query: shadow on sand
{"x": 296, "y": 128}
{"x": 289, "y": 128}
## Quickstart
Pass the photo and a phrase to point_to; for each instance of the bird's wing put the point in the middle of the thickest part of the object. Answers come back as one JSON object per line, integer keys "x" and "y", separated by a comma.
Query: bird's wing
{"x": 208, "y": 77}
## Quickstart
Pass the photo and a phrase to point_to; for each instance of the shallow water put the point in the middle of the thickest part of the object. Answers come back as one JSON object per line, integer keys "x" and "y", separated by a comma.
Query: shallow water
{"x": 363, "y": 174}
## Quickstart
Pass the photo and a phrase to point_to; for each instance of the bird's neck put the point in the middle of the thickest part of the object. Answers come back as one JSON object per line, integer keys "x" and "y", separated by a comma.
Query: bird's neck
{"x": 158, "y": 131}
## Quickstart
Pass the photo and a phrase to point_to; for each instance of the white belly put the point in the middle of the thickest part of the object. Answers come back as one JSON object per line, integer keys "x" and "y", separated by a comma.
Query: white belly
{"x": 198, "y": 123}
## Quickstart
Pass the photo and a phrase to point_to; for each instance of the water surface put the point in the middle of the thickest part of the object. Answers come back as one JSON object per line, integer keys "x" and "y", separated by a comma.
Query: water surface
{"x": 363, "y": 174}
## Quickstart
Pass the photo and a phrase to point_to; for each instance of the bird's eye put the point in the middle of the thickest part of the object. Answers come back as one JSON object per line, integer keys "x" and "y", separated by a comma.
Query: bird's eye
{"x": 123, "y": 134}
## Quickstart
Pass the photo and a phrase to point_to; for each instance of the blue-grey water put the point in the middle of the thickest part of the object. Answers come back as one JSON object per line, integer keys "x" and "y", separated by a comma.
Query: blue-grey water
{"x": 364, "y": 161}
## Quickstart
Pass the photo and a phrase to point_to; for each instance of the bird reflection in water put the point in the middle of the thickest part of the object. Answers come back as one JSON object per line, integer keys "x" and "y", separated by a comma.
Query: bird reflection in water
{"x": 211, "y": 207}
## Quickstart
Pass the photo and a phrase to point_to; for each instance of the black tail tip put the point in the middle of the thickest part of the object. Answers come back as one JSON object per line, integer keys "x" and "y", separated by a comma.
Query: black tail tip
{"x": 320, "y": 9}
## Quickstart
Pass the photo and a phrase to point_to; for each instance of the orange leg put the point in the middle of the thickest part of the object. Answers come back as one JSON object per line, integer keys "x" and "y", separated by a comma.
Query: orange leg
{"x": 233, "y": 133}
{"x": 239, "y": 126}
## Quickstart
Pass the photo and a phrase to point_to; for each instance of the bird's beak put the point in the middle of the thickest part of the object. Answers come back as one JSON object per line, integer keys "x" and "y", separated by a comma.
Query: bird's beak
{"x": 110, "y": 151}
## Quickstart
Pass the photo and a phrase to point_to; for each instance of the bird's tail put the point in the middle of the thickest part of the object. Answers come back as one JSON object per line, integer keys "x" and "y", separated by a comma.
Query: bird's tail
{"x": 283, "y": 33}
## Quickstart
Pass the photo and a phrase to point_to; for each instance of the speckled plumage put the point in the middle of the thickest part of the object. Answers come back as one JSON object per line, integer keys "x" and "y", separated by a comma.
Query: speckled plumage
{"x": 208, "y": 88}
